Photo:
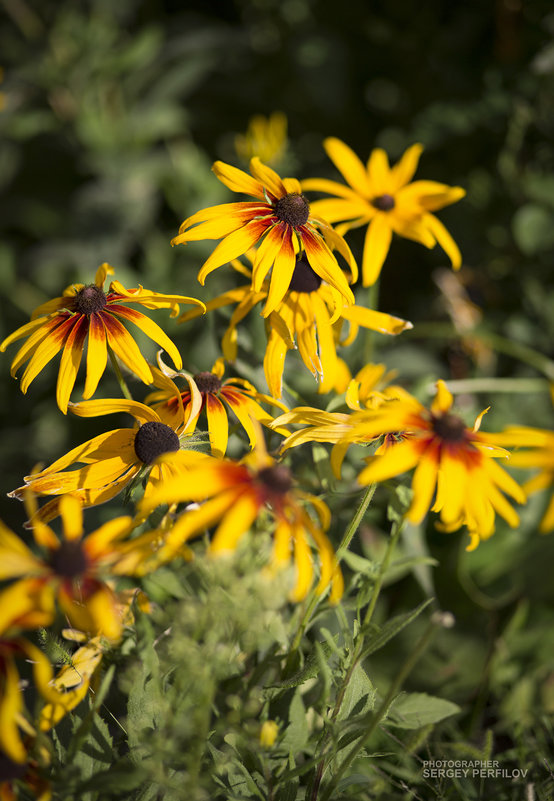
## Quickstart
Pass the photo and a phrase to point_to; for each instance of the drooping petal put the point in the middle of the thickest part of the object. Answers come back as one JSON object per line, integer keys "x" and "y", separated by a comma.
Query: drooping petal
{"x": 233, "y": 245}
{"x": 218, "y": 425}
{"x": 70, "y": 361}
{"x": 93, "y": 408}
{"x": 376, "y": 321}
{"x": 151, "y": 329}
{"x": 97, "y": 354}
{"x": 235, "y": 523}
{"x": 376, "y": 246}
{"x": 423, "y": 482}
{"x": 444, "y": 239}
{"x": 47, "y": 347}
{"x": 281, "y": 275}
{"x": 125, "y": 347}
{"x": 324, "y": 263}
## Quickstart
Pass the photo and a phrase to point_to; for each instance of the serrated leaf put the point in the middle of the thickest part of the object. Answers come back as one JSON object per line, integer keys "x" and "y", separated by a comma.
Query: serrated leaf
{"x": 359, "y": 696}
{"x": 377, "y": 639}
{"x": 296, "y": 734}
{"x": 311, "y": 668}
{"x": 414, "y": 710}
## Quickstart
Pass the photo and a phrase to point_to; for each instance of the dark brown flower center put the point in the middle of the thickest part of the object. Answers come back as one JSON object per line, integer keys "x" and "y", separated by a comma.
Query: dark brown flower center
{"x": 152, "y": 439}
{"x": 304, "y": 279}
{"x": 449, "y": 428}
{"x": 69, "y": 560}
{"x": 292, "y": 209}
{"x": 207, "y": 382}
{"x": 90, "y": 299}
{"x": 276, "y": 479}
{"x": 10, "y": 770}
{"x": 383, "y": 202}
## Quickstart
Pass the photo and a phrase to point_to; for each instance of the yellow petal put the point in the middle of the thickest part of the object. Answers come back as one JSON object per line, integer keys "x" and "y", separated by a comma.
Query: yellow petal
{"x": 235, "y": 244}
{"x": 396, "y": 460}
{"x": 218, "y": 425}
{"x": 152, "y": 330}
{"x": 403, "y": 172}
{"x": 376, "y": 246}
{"x": 238, "y": 180}
{"x": 97, "y": 354}
{"x": 268, "y": 177}
{"x": 70, "y": 361}
{"x": 235, "y": 523}
{"x": 444, "y": 239}
{"x": 349, "y": 165}
{"x": 379, "y": 172}
{"x": 443, "y": 399}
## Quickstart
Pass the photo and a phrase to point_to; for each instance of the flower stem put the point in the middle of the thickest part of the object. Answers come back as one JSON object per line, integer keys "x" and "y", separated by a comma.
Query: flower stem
{"x": 119, "y": 375}
{"x": 374, "y": 718}
{"x": 313, "y": 599}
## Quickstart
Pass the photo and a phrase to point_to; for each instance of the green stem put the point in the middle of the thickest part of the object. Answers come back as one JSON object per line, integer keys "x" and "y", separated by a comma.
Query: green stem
{"x": 501, "y": 344}
{"x": 391, "y": 545}
{"x": 313, "y": 599}
{"x": 375, "y": 718}
{"x": 491, "y": 385}
{"x": 119, "y": 375}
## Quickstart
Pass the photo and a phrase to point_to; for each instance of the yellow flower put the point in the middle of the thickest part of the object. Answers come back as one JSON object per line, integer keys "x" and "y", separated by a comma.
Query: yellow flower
{"x": 457, "y": 461}
{"x": 540, "y": 454}
{"x": 239, "y": 395}
{"x": 17, "y": 615}
{"x": 73, "y": 570}
{"x": 268, "y": 733}
{"x": 280, "y": 216}
{"x": 64, "y": 323}
{"x": 75, "y": 677}
{"x": 309, "y": 318}
{"x": 266, "y": 137}
{"x": 235, "y": 493}
{"x": 111, "y": 460}
{"x": 384, "y": 197}
{"x": 367, "y": 390}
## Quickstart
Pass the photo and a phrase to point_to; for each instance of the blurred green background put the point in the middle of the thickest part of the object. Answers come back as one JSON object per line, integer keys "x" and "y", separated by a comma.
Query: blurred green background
{"x": 111, "y": 116}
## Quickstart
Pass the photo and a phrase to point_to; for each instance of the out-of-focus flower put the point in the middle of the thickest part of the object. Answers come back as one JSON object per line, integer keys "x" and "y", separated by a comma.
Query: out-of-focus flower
{"x": 74, "y": 569}
{"x": 280, "y": 217}
{"x": 265, "y": 137}
{"x": 539, "y": 453}
{"x": 74, "y": 677}
{"x": 384, "y": 198}
{"x": 235, "y": 493}
{"x": 268, "y": 733}
{"x": 17, "y": 615}
{"x": 64, "y": 323}
{"x": 111, "y": 460}
{"x": 456, "y": 461}
{"x": 309, "y": 318}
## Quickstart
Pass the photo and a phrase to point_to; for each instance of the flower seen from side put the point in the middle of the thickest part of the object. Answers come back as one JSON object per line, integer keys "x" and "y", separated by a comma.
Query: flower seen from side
{"x": 110, "y": 461}
{"x": 383, "y": 198}
{"x": 280, "y": 220}
{"x": 237, "y": 394}
{"x": 310, "y": 319}
{"x": 455, "y": 473}
{"x": 233, "y": 495}
{"x": 74, "y": 570}
{"x": 538, "y": 445}
{"x": 63, "y": 324}
{"x": 367, "y": 390}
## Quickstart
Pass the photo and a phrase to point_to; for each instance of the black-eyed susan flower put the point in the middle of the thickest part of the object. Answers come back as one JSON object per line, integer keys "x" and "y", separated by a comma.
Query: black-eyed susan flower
{"x": 538, "y": 453}
{"x": 280, "y": 220}
{"x": 454, "y": 465}
{"x": 87, "y": 310}
{"x": 310, "y": 318}
{"x": 265, "y": 137}
{"x": 76, "y": 677}
{"x": 233, "y": 494}
{"x": 16, "y": 619}
{"x": 383, "y": 198}
{"x": 367, "y": 390}
{"x": 110, "y": 461}
{"x": 73, "y": 571}
{"x": 237, "y": 394}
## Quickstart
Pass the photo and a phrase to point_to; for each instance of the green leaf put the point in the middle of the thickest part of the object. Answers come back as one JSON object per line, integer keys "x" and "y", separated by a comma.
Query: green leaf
{"x": 414, "y": 710}
{"x": 377, "y": 639}
{"x": 359, "y": 696}
{"x": 311, "y": 668}
{"x": 296, "y": 734}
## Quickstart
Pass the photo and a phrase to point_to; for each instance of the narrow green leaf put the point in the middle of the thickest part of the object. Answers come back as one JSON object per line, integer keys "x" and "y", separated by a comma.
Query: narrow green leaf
{"x": 377, "y": 639}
